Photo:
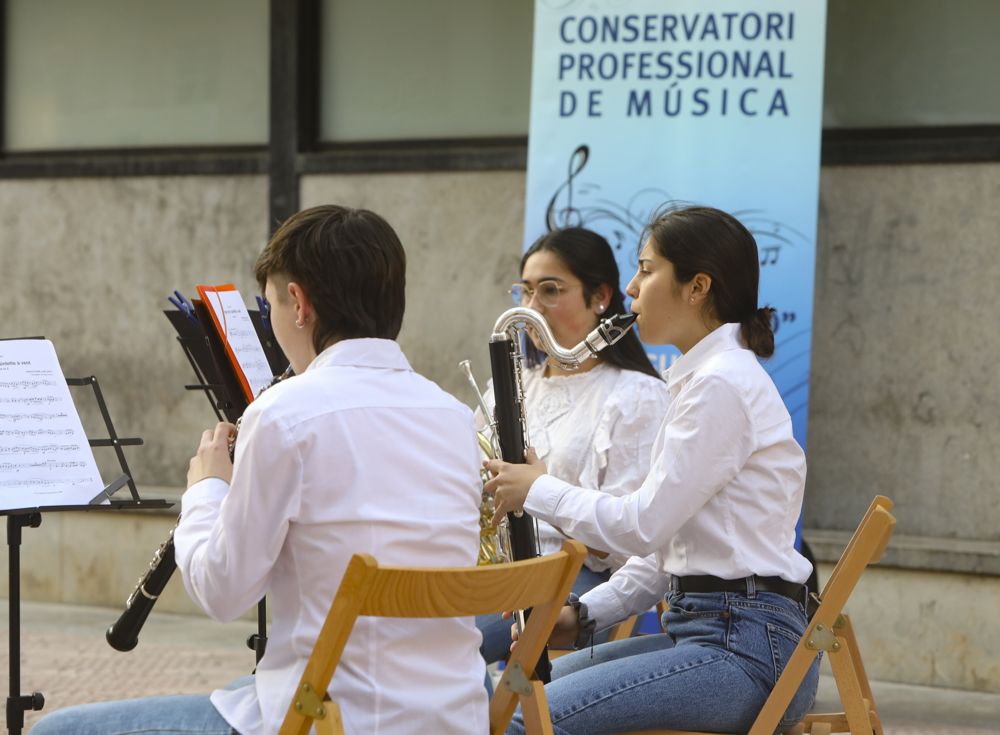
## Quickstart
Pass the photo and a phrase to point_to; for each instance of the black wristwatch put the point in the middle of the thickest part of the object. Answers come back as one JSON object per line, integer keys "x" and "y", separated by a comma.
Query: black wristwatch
{"x": 585, "y": 636}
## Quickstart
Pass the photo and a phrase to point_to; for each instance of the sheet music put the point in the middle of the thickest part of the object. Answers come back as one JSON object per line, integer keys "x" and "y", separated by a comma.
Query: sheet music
{"x": 239, "y": 331}
{"x": 45, "y": 458}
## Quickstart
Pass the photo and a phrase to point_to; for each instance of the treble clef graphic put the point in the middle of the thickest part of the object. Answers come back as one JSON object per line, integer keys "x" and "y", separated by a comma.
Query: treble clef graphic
{"x": 567, "y": 216}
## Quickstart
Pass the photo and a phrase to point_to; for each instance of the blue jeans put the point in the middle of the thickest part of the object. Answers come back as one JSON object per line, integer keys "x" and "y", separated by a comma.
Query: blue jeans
{"x": 183, "y": 714}
{"x": 496, "y": 630}
{"x": 712, "y": 671}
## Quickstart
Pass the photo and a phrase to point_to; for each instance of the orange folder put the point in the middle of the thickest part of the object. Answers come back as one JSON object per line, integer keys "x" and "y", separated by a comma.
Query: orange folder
{"x": 218, "y": 320}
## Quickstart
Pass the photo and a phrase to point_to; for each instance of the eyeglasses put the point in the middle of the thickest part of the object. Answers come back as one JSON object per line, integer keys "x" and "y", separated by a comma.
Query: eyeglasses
{"x": 548, "y": 292}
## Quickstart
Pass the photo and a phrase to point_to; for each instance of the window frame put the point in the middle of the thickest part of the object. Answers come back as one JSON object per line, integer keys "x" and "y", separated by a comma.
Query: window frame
{"x": 294, "y": 148}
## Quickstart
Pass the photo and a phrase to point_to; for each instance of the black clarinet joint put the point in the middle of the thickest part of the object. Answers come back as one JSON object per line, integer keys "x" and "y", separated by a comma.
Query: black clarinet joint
{"x": 123, "y": 635}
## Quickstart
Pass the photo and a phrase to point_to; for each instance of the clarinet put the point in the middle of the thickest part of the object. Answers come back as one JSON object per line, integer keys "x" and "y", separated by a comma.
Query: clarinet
{"x": 123, "y": 634}
{"x": 510, "y": 425}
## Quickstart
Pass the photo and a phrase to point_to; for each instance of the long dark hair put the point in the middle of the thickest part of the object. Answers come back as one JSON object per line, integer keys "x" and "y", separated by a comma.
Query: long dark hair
{"x": 588, "y": 256}
{"x": 706, "y": 240}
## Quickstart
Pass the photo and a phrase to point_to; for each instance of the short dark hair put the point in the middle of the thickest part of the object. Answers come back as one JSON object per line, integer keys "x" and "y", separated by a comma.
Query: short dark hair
{"x": 710, "y": 241}
{"x": 351, "y": 265}
{"x": 589, "y": 257}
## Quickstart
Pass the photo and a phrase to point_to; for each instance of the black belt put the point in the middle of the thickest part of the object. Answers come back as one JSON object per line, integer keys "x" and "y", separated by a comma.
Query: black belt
{"x": 746, "y": 585}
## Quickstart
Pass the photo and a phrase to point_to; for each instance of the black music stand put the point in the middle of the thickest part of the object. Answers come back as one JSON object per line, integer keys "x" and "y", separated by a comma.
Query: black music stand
{"x": 206, "y": 353}
{"x": 19, "y": 518}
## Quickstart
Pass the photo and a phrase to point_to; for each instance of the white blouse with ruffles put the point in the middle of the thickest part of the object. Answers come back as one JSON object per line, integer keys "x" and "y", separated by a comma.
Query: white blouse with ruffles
{"x": 593, "y": 429}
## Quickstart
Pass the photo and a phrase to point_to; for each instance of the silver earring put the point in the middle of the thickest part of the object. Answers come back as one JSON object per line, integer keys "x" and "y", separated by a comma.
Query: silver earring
{"x": 601, "y": 308}
{"x": 300, "y": 324}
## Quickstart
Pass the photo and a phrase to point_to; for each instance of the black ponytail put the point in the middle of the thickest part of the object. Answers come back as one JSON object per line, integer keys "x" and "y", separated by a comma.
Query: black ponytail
{"x": 758, "y": 331}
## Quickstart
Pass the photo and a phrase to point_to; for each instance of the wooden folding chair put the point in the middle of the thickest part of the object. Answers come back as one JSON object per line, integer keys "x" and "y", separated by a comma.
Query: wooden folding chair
{"x": 830, "y": 630}
{"x": 404, "y": 592}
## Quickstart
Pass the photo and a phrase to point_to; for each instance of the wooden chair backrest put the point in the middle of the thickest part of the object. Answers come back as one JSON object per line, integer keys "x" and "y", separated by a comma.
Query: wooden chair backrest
{"x": 885, "y": 504}
{"x": 865, "y": 547}
{"x": 387, "y": 591}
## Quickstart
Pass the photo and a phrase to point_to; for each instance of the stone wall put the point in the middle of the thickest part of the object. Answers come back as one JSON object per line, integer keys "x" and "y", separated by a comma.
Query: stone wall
{"x": 462, "y": 233}
{"x": 905, "y": 389}
{"x": 927, "y": 628}
{"x": 905, "y": 398}
{"x": 89, "y": 263}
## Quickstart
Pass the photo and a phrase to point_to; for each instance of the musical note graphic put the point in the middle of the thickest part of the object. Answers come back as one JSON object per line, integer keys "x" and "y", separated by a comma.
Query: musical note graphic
{"x": 557, "y": 217}
{"x": 43, "y": 482}
{"x": 30, "y": 400}
{"x": 15, "y": 417}
{"x": 578, "y": 203}
{"x": 256, "y": 365}
{"x": 49, "y": 464}
{"x": 771, "y": 235}
{"x": 28, "y": 384}
{"x": 39, "y": 448}
{"x": 33, "y": 432}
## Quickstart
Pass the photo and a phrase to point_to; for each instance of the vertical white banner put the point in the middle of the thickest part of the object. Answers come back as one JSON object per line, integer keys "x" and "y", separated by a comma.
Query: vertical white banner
{"x": 716, "y": 102}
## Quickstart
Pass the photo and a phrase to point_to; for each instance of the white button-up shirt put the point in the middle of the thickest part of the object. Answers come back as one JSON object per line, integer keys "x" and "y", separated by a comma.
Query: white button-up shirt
{"x": 357, "y": 454}
{"x": 723, "y": 494}
{"x": 593, "y": 429}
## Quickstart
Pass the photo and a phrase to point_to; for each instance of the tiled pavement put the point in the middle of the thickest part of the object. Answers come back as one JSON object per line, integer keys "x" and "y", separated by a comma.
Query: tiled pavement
{"x": 64, "y": 655}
